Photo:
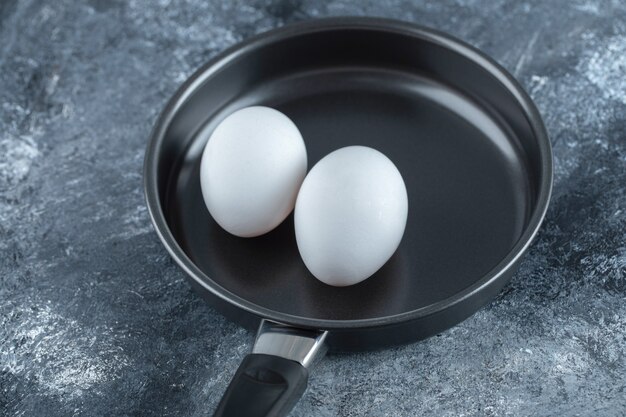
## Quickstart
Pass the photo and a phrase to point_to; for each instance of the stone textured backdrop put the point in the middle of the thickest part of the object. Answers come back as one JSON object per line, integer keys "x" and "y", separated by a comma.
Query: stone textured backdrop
{"x": 95, "y": 319}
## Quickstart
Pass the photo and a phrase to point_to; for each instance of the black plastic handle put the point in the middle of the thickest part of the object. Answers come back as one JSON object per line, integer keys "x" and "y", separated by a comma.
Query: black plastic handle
{"x": 264, "y": 386}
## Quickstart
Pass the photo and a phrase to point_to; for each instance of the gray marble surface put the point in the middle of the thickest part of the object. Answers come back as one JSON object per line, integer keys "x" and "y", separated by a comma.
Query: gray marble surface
{"x": 95, "y": 319}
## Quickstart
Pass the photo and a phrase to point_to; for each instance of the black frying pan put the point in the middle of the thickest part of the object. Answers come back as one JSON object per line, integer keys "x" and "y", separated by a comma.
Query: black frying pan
{"x": 468, "y": 141}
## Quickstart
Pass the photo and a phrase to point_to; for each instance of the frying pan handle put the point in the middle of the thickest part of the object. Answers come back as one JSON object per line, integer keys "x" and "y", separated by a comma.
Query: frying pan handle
{"x": 263, "y": 386}
{"x": 271, "y": 380}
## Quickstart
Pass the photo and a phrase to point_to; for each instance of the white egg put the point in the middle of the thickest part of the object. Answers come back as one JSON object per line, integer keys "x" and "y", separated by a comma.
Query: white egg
{"x": 251, "y": 170}
{"x": 350, "y": 215}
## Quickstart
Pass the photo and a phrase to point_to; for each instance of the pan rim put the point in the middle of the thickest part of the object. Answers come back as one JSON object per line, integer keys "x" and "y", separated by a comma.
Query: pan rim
{"x": 469, "y": 52}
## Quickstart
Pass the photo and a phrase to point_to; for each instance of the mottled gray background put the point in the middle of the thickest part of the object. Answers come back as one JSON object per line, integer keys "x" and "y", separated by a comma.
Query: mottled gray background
{"x": 95, "y": 319}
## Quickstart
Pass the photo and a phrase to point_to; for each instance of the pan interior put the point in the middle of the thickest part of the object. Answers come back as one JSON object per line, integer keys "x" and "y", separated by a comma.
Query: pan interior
{"x": 465, "y": 171}
{"x": 451, "y": 124}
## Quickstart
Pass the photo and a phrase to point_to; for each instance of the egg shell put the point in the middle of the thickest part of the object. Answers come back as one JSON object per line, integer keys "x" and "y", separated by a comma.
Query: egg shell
{"x": 251, "y": 170}
{"x": 350, "y": 215}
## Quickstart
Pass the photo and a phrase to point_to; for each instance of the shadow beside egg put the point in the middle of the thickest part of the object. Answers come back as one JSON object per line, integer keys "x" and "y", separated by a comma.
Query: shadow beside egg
{"x": 263, "y": 269}
{"x": 384, "y": 293}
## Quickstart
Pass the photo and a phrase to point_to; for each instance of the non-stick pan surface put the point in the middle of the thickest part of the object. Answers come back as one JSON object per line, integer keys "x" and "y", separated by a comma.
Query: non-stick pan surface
{"x": 467, "y": 140}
